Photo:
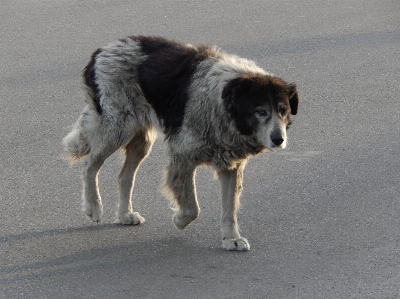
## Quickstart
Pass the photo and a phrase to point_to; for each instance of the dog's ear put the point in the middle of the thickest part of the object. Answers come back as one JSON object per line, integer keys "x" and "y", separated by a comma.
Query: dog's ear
{"x": 236, "y": 87}
{"x": 293, "y": 98}
{"x": 235, "y": 96}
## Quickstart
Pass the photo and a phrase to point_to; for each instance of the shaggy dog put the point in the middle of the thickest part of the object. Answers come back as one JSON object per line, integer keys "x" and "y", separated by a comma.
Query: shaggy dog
{"x": 213, "y": 108}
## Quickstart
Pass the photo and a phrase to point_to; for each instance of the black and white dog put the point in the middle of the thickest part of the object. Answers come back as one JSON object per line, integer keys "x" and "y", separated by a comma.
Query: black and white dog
{"x": 213, "y": 108}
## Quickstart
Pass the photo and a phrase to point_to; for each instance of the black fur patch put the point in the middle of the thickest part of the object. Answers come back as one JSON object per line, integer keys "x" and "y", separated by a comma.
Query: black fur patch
{"x": 165, "y": 77}
{"x": 89, "y": 77}
{"x": 243, "y": 94}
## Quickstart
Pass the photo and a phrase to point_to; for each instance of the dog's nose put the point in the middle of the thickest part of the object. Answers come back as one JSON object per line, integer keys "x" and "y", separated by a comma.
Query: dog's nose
{"x": 277, "y": 140}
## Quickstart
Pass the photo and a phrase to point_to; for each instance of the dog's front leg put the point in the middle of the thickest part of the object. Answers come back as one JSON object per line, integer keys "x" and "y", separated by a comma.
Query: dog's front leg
{"x": 180, "y": 186}
{"x": 231, "y": 187}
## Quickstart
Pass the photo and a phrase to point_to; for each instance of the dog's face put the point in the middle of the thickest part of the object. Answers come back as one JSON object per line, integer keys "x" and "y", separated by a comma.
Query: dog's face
{"x": 261, "y": 105}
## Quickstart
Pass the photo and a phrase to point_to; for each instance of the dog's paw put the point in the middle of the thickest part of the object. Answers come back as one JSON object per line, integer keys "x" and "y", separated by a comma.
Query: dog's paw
{"x": 93, "y": 210}
{"x": 239, "y": 244}
{"x": 182, "y": 220}
{"x": 130, "y": 219}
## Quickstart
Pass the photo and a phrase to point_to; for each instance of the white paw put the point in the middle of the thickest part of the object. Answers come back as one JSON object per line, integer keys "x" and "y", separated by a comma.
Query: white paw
{"x": 130, "y": 219}
{"x": 183, "y": 219}
{"x": 239, "y": 244}
{"x": 93, "y": 210}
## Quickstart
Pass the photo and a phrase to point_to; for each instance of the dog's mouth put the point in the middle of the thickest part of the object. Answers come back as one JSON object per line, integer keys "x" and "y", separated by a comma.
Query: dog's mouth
{"x": 273, "y": 147}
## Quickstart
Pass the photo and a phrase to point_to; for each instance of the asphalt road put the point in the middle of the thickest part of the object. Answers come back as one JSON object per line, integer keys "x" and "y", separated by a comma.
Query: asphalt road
{"x": 322, "y": 217}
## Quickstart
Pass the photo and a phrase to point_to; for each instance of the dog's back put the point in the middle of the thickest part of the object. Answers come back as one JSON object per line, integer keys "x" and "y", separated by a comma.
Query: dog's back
{"x": 143, "y": 75}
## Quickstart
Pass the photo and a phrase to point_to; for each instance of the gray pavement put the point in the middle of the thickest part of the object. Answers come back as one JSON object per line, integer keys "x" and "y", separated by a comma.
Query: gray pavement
{"x": 322, "y": 217}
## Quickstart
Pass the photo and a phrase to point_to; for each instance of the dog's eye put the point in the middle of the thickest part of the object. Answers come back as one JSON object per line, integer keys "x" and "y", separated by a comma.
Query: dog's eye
{"x": 261, "y": 112}
{"x": 282, "y": 111}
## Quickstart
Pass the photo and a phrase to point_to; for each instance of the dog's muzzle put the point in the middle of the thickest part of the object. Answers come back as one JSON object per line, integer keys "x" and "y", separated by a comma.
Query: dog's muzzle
{"x": 277, "y": 138}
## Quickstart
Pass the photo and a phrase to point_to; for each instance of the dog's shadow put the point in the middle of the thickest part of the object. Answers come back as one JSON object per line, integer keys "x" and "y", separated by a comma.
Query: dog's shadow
{"x": 55, "y": 232}
{"x": 140, "y": 253}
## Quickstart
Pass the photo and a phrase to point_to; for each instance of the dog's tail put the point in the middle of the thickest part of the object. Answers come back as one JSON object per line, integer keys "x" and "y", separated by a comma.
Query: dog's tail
{"x": 77, "y": 142}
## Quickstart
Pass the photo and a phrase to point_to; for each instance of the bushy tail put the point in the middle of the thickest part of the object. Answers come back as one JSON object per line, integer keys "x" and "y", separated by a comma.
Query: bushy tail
{"x": 76, "y": 143}
{"x": 75, "y": 146}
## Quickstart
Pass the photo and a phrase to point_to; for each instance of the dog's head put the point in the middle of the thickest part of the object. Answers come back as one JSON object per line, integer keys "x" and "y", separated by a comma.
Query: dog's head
{"x": 261, "y": 105}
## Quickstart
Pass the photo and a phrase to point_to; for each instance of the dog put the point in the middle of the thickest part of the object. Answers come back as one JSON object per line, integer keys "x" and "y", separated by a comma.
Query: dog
{"x": 211, "y": 107}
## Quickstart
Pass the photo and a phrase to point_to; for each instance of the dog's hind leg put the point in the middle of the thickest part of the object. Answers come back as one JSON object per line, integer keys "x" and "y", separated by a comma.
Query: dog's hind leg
{"x": 92, "y": 205}
{"x": 180, "y": 185}
{"x": 102, "y": 144}
{"x": 231, "y": 188}
{"x": 136, "y": 150}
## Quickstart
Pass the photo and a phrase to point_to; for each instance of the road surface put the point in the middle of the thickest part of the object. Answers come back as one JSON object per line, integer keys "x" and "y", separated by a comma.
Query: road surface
{"x": 322, "y": 217}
